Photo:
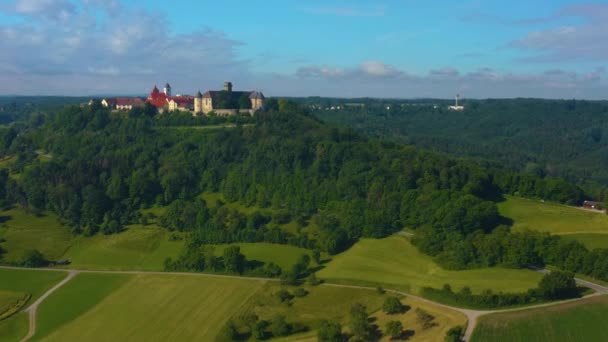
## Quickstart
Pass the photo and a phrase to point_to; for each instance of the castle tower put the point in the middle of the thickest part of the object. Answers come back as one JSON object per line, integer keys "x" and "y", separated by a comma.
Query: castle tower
{"x": 228, "y": 86}
{"x": 167, "y": 90}
{"x": 198, "y": 103}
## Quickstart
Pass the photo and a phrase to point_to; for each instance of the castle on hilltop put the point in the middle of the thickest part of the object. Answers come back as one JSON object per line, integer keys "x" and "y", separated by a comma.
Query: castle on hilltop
{"x": 223, "y": 102}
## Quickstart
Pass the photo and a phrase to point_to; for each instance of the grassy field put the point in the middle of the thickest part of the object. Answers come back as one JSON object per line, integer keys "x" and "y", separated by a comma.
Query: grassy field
{"x": 33, "y": 282}
{"x": 395, "y": 263}
{"x": 75, "y": 298}
{"x": 283, "y": 255}
{"x": 590, "y": 228}
{"x": 14, "y": 328}
{"x": 156, "y": 308}
{"x": 579, "y": 321}
{"x": 138, "y": 248}
{"x": 23, "y": 231}
{"x": 17, "y": 283}
{"x": 8, "y": 299}
{"x": 314, "y": 307}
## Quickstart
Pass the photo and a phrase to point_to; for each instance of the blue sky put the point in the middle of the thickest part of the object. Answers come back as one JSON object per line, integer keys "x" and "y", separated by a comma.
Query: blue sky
{"x": 392, "y": 48}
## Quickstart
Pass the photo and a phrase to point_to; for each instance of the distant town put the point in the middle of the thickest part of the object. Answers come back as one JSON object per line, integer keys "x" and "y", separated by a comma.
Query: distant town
{"x": 223, "y": 102}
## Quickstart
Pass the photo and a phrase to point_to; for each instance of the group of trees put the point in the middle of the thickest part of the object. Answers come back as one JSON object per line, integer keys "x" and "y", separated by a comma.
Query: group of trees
{"x": 553, "y": 286}
{"x": 546, "y": 138}
{"x": 106, "y": 166}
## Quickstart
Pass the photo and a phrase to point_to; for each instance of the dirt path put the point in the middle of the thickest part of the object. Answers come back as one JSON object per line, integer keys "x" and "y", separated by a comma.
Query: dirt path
{"x": 31, "y": 310}
{"x": 472, "y": 315}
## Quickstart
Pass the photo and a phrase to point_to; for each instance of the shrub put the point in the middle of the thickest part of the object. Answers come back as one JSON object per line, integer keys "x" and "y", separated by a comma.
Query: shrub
{"x": 33, "y": 258}
{"x": 284, "y": 296}
{"x": 392, "y": 305}
{"x": 558, "y": 285}
{"x": 313, "y": 280}
{"x": 329, "y": 332}
{"x": 454, "y": 334}
{"x": 394, "y": 329}
{"x": 280, "y": 327}
{"x": 426, "y": 319}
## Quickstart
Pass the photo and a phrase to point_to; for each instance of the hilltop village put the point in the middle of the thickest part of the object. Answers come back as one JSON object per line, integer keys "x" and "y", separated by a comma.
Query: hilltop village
{"x": 223, "y": 102}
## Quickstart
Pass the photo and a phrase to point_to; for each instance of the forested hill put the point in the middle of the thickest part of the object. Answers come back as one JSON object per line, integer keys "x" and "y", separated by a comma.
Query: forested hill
{"x": 566, "y": 139}
{"x": 97, "y": 169}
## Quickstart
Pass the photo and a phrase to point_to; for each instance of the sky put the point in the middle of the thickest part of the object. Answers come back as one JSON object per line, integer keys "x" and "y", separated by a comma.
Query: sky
{"x": 379, "y": 48}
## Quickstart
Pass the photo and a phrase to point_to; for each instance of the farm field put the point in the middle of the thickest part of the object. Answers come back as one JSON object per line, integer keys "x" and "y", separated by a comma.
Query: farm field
{"x": 149, "y": 307}
{"x": 14, "y": 328}
{"x": 579, "y": 321}
{"x": 15, "y": 284}
{"x": 395, "y": 263}
{"x": 590, "y": 228}
{"x": 33, "y": 282}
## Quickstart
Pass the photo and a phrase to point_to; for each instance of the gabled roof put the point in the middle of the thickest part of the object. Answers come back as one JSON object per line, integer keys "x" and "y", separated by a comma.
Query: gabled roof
{"x": 129, "y": 101}
{"x": 183, "y": 101}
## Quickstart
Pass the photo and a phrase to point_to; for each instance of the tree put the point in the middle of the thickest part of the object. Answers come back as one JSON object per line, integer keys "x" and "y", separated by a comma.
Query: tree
{"x": 394, "y": 329}
{"x": 359, "y": 324}
{"x": 558, "y": 285}
{"x": 279, "y": 326}
{"x": 329, "y": 332}
{"x": 316, "y": 256}
{"x": 392, "y": 305}
{"x": 454, "y": 334}
{"x": 33, "y": 258}
{"x": 228, "y": 333}
{"x": 234, "y": 261}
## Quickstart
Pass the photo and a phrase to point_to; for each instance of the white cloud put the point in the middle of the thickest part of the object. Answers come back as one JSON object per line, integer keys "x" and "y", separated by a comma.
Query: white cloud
{"x": 582, "y": 42}
{"x": 130, "y": 49}
{"x": 49, "y": 9}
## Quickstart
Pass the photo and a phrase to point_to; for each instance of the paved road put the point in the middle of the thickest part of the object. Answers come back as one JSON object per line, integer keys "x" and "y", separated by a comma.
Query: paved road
{"x": 472, "y": 315}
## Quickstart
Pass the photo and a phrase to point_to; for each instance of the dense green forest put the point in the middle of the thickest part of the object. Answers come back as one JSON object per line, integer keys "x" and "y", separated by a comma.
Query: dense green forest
{"x": 547, "y": 138}
{"x": 105, "y": 166}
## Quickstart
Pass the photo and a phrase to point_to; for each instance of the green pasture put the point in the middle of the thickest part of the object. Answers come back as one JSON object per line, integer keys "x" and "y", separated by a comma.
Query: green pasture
{"x": 395, "y": 263}
{"x": 284, "y": 256}
{"x": 16, "y": 283}
{"x": 14, "y": 328}
{"x": 75, "y": 298}
{"x": 25, "y": 281}
{"x": 572, "y": 322}
{"x": 586, "y": 226}
{"x": 24, "y": 231}
{"x": 156, "y": 308}
{"x": 312, "y": 308}
{"x": 137, "y": 248}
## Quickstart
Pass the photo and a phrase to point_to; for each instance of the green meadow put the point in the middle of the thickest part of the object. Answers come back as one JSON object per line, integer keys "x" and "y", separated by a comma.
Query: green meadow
{"x": 14, "y": 328}
{"x": 580, "y": 321}
{"x": 23, "y": 231}
{"x": 13, "y": 285}
{"x": 147, "y": 308}
{"x": 590, "y": 228}
{"x": 395, "y": 263}
{"x": 34, "y": 283}
{"x": 313, "y": 307}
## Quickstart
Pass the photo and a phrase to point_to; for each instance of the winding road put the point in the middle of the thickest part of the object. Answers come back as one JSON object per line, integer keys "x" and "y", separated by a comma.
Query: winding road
{"x": 472, "y": 315}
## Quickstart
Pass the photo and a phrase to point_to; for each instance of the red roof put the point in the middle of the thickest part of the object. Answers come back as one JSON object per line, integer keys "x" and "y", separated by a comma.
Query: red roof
{"x": 156, "y": 98}
{"x": 129, "y": 101}
{"x": 183, "y": 101}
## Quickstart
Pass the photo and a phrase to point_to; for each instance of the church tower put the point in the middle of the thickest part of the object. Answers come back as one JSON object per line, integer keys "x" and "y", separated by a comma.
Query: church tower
{"x": 198, "y": 103}
{"x": 167, "y": 90}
